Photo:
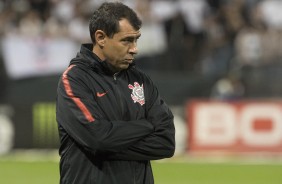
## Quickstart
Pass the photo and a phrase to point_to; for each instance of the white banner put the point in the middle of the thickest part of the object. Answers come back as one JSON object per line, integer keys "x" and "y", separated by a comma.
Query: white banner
{"x": 36, "y": 56}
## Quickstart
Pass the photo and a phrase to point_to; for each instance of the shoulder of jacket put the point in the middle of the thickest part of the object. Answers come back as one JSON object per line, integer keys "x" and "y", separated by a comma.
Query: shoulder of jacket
{"x": 138, "y": 72}
{"x": 144, "y": 77}
{"x": 76, "y": 70}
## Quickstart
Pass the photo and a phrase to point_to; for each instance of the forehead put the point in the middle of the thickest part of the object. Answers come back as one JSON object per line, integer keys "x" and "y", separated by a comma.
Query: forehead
{"x": 126, "y": 29}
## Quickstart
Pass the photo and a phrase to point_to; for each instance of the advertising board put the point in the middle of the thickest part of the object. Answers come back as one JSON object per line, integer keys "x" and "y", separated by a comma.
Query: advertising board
{"x": 241, "y": 126}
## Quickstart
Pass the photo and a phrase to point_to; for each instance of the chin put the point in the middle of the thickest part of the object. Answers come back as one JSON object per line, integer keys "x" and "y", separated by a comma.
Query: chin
{"x": 125, "y": 66}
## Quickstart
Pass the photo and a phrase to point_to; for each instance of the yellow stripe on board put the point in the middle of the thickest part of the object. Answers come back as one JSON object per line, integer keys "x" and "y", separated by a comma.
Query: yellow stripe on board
{"x": 45, "y": 131}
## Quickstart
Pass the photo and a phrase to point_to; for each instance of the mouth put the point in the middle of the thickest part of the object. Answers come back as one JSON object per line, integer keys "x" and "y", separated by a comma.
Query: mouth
{"x": 129, "y": 61}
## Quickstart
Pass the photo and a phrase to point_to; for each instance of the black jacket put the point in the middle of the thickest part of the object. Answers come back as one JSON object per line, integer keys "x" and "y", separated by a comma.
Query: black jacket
{"x": 110, "y": 125}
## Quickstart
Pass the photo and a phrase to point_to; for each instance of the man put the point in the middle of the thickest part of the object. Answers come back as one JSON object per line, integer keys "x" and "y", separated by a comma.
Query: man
{"x": 111, "y": 119}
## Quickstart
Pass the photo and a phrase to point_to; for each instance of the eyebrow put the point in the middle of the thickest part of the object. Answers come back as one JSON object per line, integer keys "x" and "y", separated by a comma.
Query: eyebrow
{"x": 132, "y": 37}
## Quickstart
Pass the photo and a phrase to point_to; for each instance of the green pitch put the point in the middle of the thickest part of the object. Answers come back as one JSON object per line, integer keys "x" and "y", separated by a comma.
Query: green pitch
{"x": 217, "y": 173}
{"x": 47, "y": 172}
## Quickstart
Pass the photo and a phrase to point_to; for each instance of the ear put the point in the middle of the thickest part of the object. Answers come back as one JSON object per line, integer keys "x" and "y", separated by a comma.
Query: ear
{"x": 100, "y": 37}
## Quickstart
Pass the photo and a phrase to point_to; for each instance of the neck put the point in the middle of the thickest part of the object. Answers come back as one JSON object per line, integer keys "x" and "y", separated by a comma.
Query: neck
{"x": 97, "y": 50}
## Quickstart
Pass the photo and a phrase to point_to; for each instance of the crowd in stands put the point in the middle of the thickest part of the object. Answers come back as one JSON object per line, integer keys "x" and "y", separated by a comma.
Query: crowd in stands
{"x": 206, "y": 37}
{"x": 197, "y": 34}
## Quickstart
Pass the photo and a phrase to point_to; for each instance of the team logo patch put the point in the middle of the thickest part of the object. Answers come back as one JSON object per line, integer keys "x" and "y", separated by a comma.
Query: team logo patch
{"x": 137, "y": 94}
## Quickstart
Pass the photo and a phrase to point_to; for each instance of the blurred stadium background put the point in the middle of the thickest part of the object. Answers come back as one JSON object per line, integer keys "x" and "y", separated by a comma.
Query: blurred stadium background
{"x": 217, "y": 63}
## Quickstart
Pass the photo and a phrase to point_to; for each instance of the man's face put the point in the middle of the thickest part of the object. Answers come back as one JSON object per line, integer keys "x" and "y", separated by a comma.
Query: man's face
{"x": 119, "y": 50}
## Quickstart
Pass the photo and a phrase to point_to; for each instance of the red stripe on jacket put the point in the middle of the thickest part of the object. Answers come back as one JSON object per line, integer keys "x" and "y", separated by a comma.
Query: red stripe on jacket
{"x": 76, "y": 100}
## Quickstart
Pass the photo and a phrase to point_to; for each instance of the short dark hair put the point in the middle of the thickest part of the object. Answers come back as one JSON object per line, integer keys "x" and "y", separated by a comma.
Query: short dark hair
{"x": 107, "y": 17}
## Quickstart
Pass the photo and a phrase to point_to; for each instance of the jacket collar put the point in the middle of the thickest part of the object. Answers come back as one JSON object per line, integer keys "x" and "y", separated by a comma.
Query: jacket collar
{"x": 86, "y": 56}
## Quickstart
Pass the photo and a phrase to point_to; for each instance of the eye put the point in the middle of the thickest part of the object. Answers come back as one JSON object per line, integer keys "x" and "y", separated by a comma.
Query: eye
{"x": 128, "y": 40}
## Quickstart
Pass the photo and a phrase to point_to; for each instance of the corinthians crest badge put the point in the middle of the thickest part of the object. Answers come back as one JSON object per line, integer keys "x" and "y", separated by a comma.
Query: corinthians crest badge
{"x": 137, "y": 94}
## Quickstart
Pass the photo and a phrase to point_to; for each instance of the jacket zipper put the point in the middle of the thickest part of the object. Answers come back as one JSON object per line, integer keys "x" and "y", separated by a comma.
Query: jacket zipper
{"x": 115, "y": 77}
{"x": 134, "y": 171}
{"x": 118, "y": 93}
{"x": 120, "y": 102}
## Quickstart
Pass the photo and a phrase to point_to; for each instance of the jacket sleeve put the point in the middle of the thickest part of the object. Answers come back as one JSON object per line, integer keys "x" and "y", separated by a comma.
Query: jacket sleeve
{"x": 78, "y": 113}
{"x": 159, "y": 144}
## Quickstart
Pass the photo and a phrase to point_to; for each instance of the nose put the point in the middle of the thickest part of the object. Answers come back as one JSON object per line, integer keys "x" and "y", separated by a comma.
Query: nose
{"x": 133, "y": 49}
